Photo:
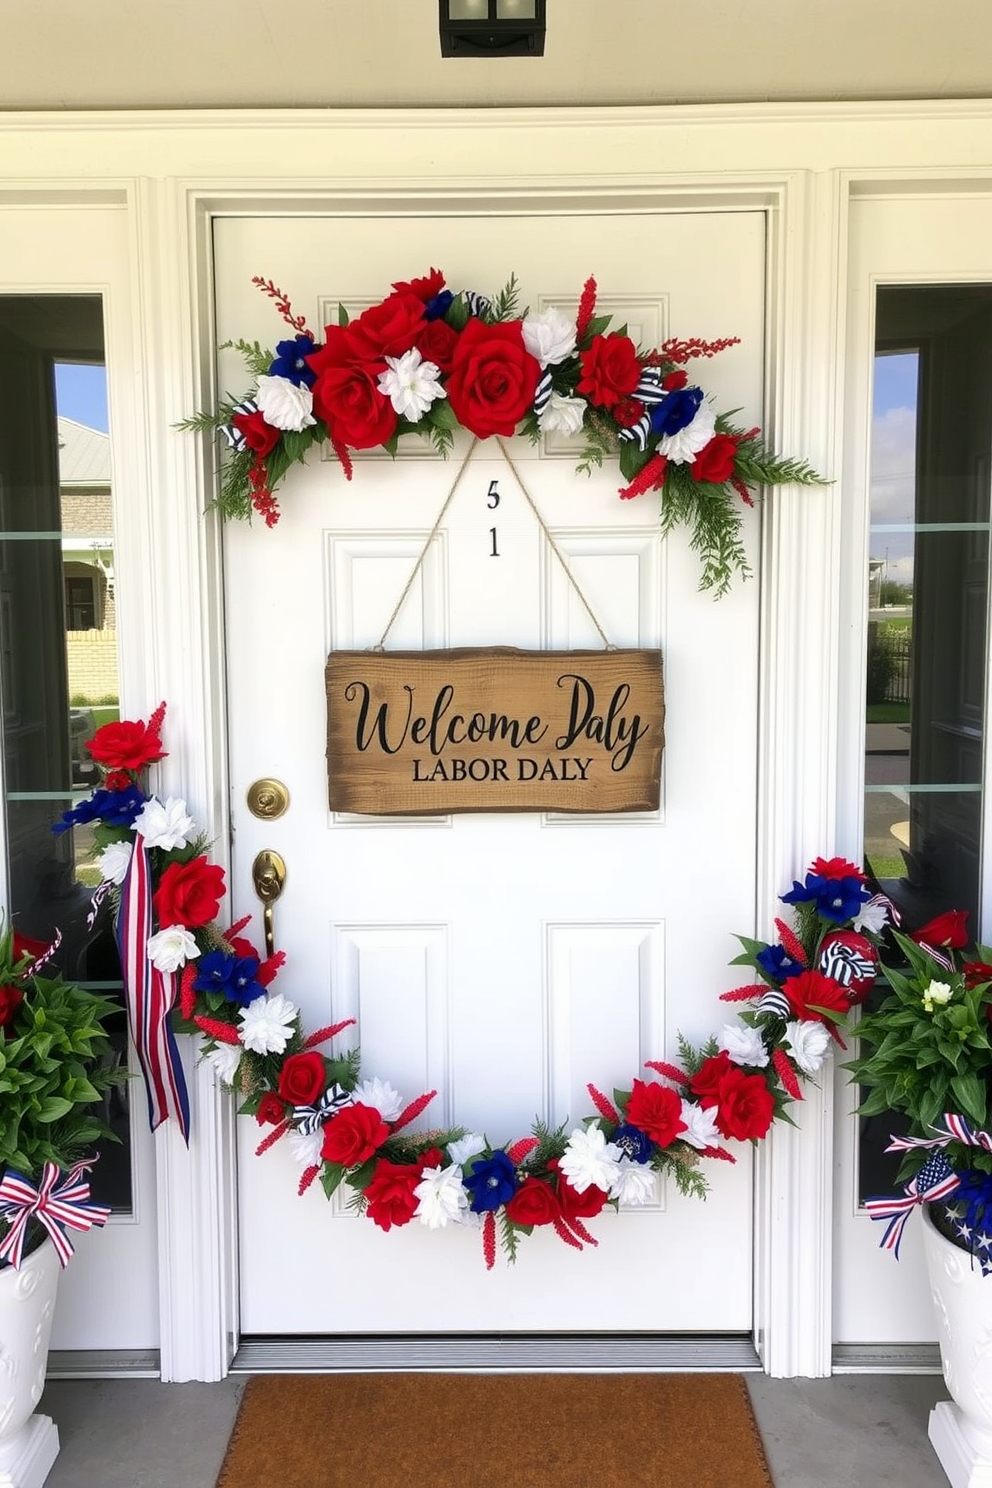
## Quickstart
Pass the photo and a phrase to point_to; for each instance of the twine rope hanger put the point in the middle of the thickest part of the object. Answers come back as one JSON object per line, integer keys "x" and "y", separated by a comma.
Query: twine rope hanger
{"x": 380, "y": 644}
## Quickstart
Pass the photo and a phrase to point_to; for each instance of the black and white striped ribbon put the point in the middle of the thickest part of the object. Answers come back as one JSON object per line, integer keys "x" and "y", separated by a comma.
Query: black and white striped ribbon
{"x": 776, "y": 1003}
{"x": 543, "y": 395}
{"x": 649, "y": 390}
{"x": 309, "y": 1119}
{"x": 234, "y": 437}
{"x": 845, "y": 965}
{"x": 478, "y": 304}
{"x": 639, "y": 431}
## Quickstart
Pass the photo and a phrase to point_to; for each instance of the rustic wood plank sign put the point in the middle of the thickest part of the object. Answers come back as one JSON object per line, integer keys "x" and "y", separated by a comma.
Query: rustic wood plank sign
{"x": 494, "y": 729}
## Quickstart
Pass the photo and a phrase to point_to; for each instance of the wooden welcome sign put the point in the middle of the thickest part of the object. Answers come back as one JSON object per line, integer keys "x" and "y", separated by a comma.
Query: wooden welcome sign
{"x": 494, "y": 729}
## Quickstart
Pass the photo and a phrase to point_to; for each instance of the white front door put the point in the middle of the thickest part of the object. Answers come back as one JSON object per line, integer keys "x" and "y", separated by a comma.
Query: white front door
{"x": 504, "y": 960}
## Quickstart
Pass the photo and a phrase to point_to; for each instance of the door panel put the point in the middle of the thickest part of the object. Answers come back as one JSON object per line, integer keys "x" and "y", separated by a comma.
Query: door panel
{"x": 505, "y": 960}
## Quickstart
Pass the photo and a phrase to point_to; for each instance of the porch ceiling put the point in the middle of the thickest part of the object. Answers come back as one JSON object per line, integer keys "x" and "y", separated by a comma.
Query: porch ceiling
{"x": 73, "y": 54}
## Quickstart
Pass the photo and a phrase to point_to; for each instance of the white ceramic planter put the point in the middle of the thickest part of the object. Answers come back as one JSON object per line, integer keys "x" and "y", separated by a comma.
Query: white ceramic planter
{"x": 29, "y": 1443}
{"x": 961, "y": 1433}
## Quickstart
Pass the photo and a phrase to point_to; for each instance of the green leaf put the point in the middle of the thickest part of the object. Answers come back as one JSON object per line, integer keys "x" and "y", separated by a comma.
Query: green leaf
{"x": 342, "y": 315}
{"x": 969, "y": 1091}
{"x": 53, "y": 1109}
{"x": 457, "y": 314}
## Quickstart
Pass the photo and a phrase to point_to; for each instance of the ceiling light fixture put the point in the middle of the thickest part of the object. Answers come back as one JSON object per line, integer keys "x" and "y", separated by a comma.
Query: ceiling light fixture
{"x": 492, "y": 28}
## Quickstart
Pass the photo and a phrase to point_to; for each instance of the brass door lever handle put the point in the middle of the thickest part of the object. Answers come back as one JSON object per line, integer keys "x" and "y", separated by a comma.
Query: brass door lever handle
{"x": 268, "y": 874}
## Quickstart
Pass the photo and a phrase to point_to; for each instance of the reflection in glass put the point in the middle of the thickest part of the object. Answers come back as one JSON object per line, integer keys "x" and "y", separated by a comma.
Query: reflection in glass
{"x": 928, "y": 615}
{"x": 58, "y": 638}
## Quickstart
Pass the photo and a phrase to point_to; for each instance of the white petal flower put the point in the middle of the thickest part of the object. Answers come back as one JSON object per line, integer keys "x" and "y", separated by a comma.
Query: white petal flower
{"x": 744, "y": 1044}
{"x": 305, "y": 1147}
{"x": 470, "y": 1145}
{"x": 165, "y": 824}
{"x": 225, "y": 1060}
{"x": 284, "y": 405}
{"x": 172, "y": 948}
{"x": 635, "y": 1183}
{"x": 700, "y": 1125}
{"x": 549, "y": 336}
{"x": 267, "y": 1024}
{"x": 411, "y": 384}
{"x": 380, "y": 1094}
{"x": 683, "y": 447}
{"x": 873, "y": 916}
{"x": 590, "y": 1160}
{"x": 562, "y": 415}
{"x": 442, "y": 1197}
{"x": 807, "y": 1041}
{"x": 938, "y": 994}
{"x": 114, "y": 862}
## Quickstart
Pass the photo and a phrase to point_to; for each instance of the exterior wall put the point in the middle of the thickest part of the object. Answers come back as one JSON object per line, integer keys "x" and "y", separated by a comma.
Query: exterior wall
{"x": 92, "y": 657}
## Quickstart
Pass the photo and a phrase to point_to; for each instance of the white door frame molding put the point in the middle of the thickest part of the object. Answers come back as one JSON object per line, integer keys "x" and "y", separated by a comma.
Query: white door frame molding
{"x": 798, "y": 163}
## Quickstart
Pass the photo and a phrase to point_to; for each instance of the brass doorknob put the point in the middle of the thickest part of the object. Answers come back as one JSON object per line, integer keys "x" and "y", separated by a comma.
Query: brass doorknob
{"x": 267, "y": 798}
{"x": 268, "y": 874}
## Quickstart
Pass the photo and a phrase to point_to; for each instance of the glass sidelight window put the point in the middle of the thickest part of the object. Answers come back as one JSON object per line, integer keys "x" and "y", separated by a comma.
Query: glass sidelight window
{"x": 927, "y": 641}
{"x": 58, "y": 641}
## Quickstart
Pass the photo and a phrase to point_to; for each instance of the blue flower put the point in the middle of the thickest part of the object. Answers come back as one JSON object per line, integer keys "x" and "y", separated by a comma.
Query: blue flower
{"x": 113, "y": 808}
{"x": 836, "y": 899}
{"x": 438, "y": 307}
{"x": 232, "y": 976}
{"x": 676, "y": 410}
{"x": 492, "y": 1182}
{"x": 633, "y": 1143}
{"x": 289, "y": 361}
{"x": 777, "y": 964}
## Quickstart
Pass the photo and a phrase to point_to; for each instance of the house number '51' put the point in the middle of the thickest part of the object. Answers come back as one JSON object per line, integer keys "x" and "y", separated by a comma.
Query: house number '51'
{"x": 492, "y": 501}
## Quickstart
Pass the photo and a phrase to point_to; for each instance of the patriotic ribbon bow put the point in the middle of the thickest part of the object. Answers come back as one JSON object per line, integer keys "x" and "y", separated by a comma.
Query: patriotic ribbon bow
{"x": 949, "y": 1128}
{"x": 935, "y": 1180}
{"x": 58, "y": 1206}
{"x": 309, "y": 1119}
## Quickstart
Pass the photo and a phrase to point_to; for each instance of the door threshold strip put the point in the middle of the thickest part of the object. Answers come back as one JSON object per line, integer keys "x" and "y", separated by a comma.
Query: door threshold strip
{"x": 70, "y": 1364}
{"x": 886, "y": 1358}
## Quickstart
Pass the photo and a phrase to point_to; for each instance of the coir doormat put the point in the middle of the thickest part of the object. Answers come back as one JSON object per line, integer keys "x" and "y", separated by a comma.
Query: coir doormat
{"x": 496, "y": 1431}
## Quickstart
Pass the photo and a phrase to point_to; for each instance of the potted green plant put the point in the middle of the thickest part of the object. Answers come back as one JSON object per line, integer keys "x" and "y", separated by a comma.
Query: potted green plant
{"x": 56, "y": 1066}
{"x": 926, "y": 1052}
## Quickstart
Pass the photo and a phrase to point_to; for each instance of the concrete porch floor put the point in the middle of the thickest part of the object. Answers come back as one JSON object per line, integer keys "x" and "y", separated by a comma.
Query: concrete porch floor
{"x": 851, "y": 1431}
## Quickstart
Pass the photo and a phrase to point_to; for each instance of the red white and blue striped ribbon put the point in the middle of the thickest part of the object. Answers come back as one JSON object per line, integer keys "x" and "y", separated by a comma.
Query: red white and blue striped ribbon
{"x": 150, "y": 995}
{"x": 949, "y": 1128}
{"x": 930, "y": 1184}
{"x": 57, "y": 1206}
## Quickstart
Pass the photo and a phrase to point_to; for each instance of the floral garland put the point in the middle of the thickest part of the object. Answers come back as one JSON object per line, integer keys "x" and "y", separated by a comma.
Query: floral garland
{"x": 343, "y": 1128}
{"x": 428, "y": 360}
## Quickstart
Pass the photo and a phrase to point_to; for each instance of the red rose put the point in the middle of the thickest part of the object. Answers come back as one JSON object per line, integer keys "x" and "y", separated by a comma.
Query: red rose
{"x": 10, "y": 1000}
{"x": 390, "y": 1196}
{"x": 810, "y": 990}
{"x": 259, "y": 436}
{"x": 836, "y": 868}
{"x": 387, "y": 329}
{"x": 610, "y": 369}
{"x": 302, "y": 1078}
{"x": 493, "y": 378}
{"x": 126, "y": 746}
{"x": 715, "y": 461}
{"x": 575, "y": 1205}
{"x": 425, "y": 288}
{"x": 116, "y": 780}
{"x": 706, "y": 1081}
{"x": 533, "y": 1203}
{"x": 353, "y": 1135}
{"x": 346, "y": 394}
{"x": 432, "y": 1158}
{"x": 436, "y": 343}
{"x": 673, "y": 381}
{"x": 270, "y": 1110}
{"x": 745, "y": 1106}
{"x": 949, "y": 929}
{"x": 189, "y": 894}
{"x": 656, "y": 1110}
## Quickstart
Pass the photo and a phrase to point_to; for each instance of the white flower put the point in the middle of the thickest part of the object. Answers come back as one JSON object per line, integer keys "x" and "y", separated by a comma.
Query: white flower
{"x": 267, "y": 1024}
{"x": 166, "y": 824}
{"x": 442, "y": 1197}
{"x": 807, "y": 1042}
{"x": 634, "y": 1183}
{"x": 225, "y": 1060}
{"x": 938, "y": 994}
{"x": 744, "y": 1045}
{"x": 172, "y": 948}
{"x": 470, "y": 1145}
{"x": 411, "y": 384}
{"x": 700, "y": 1125}
{"x": 305, "y": 1147}
{"x": 873, "y": 916}
{"x": 284, "y": 405}
{"x": 562, "y": 415}
{"x": 549, "y": 336}
{"x": 590, "y": 1160}
{"x": 684, "y": 446}
{"x": 114, "y": 862}
{"x": 380, "y": 1094}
